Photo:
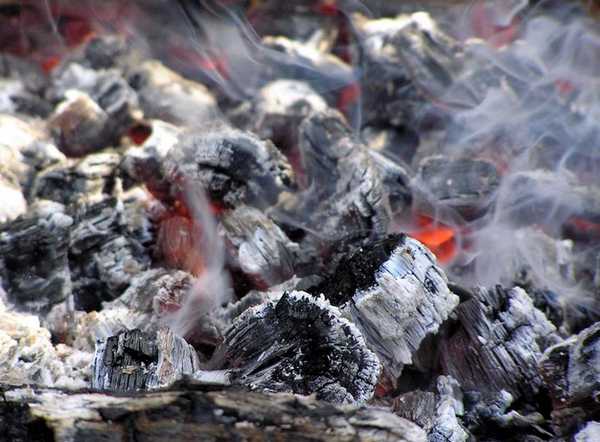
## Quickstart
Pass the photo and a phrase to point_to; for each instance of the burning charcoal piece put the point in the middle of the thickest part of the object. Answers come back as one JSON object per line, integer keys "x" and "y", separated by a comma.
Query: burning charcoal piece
{"x": 87, "y": 180}
{"x": 22, "y": 84}
{"x": 260, "y": 248}
{"x": 396, "y": 295}
{"x": 165, "y": 95}
{"x": 34, "y": 262}
{"x": 406, "y": 60}
{"x": 571, "y": 373}
{"x": 232, "y": 166}
{"x": 105, "y": 252}
{"x": 104, "y": 51}
{"x": 144, "y": 164}
{"x": 346, "y": 196}
{"x": 134, "y": 361}
{"x": 397, "y": 144}
{"x": 277, "y": 111}
{"x": 437, "y": 413}
{"x": 464, "y": 185}
{"x": 299, "y": 344}
{"x": 497, "y": 344}
{"x": 78, "y": 125}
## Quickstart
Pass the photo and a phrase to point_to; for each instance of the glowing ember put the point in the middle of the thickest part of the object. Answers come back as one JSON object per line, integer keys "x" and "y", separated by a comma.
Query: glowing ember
{"x": 438, "y": 237}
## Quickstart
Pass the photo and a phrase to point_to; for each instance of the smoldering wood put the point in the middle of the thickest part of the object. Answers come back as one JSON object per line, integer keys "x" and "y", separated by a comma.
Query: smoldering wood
{"x": 259, "y": 247}
{"x": 496, "y": 344}
{"x": 298, "y": 344}
{"x": 571, "y": 375}
{"x": 107, "y": 248}
{"x": 133, "y": 360}
{"x": 166, "y": 95}
{"x": 232, "y": 166}
{"x": 462, "y": 184}
{"x": 438, "y": 412}
{"x": 184, "y": 413}
{"x": 40, "y": 245}
{"x": 395, "y": 293}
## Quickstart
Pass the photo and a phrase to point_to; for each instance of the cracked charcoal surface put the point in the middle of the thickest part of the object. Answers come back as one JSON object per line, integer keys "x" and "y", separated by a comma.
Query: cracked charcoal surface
{"x": 299, "y": 344}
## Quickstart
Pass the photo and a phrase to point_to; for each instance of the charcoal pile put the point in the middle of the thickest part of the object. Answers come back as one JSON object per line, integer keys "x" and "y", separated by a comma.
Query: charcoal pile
{"x": 318, "y": 220}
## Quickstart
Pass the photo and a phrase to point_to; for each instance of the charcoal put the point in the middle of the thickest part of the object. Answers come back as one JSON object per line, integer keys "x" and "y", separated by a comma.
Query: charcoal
{"x": 462, "y": 184}
{"x": 104, "y": 52}
{"x": 40, "y": 245}
{"x": 346, "y": 198}
{"x": 90, "y": 179}
{"x": 134, "y": 361}
{"x": 230, "y": 165}
{"x": 277, "y": 110}
{"x": 438, "y": 413}
{"x": 405, "y": 60}
{"x": 260, "y": 248}
{"x": 165, "y": 95}
{"x": 570, "y": 373}
{"x": 497, "y": 343}
{"x": 105, "y": 251}
{"x": 396, "y": 295}
{"x": 144, "y": 164}
{"x": 298, "y": 344}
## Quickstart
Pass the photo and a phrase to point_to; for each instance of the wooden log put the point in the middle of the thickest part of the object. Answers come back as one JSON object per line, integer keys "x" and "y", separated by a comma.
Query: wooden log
{"x": 183, "y": 414}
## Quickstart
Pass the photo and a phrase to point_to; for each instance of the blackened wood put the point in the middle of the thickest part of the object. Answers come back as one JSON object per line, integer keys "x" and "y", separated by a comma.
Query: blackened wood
{"x": 193, "y": 415}
{"x": 299, "y": 344}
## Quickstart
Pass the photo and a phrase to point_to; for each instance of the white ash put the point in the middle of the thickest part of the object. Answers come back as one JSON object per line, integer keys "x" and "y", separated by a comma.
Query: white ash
{"x": 589, "y": 433}
{"x": 27, "y": 355}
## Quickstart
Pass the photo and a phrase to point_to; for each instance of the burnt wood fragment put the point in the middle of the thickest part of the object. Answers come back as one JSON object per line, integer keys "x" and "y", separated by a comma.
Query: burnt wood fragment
{"x": 181, "y": 414}
{"x": 497, "y": 343}
{"x": 298, "y": 344}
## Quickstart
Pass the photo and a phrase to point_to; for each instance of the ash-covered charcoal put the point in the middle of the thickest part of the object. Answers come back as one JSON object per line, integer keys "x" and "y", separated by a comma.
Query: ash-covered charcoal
{"x": 405, "y": 60}
{"x": 106, "y": 250}
{"x": 134, "y": 361}
{"x": 232, "y": 166}
{"x": 27, "y": 355}
{"x": 299, "y": 344}
{"x": 277, "y": 110}
{"x": 260, "y": 248}
{"x": 396, "y": 295}
{"x": 165, "y": 95}
{"x": 437, "y": 412}
{"x": 22, "y": 85}
{"x": 497, "y": 343}
{"x": 571, "y": 374}
{"x": 347, "y": 197}
{"x": 305, "y": 62}
{"x": 104, "y": 52}
{"x": 144, "y": 164}
{"x": 88, "y": 180}
{"x": 462, "y": 184}
{"x": 34, "y": 268}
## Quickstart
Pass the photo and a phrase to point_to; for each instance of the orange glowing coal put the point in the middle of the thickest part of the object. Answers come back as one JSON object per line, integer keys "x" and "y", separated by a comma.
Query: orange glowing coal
{"x": 439, "y": 238}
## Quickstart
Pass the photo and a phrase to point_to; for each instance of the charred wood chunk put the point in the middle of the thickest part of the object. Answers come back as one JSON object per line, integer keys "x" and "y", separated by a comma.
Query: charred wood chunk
{"x": 134, "y": 361}
{"x": 34, "y": 260}
{"x": 180, "y": 414}
{"x": 299, "y": 344}
{"x": 83, "y": 181}
{"x": 571, "y": 373}
{"x": 277, "y": 111}
{"x": 399, "y": 144}
{"x": 463, "y": 184}
{"x": 438, "y": 412}
{"x": 165, "y": 95}
{"x": 104, "y": 253}
{"x": 347, "y": 196}
{"x": 406, "y": 60}
{"x": 260, "y": 248}
{"x": 497, "y": 344}
{"x": 231, "y": 165}
{"x": 396, "y": 295}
